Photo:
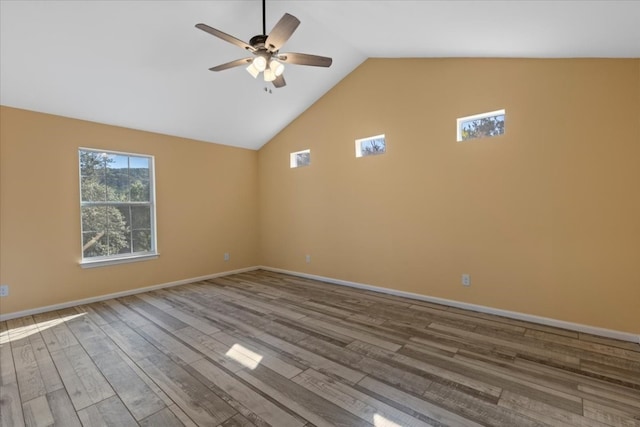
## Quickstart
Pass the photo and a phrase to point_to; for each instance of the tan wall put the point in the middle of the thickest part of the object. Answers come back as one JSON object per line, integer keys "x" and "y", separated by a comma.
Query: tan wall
{"x": 545, "y": 219}
{"x": 206, "y": 205}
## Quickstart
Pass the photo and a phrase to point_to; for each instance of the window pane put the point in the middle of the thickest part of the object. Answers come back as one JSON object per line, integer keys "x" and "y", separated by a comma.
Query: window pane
{"x": 92, "y": 190}
{"x": 125, "y": 212}
{"x": 487, "y": 126}
{"x": 94, "y": 219}
{"x": 139, "y": 167}
{"x": 94, "y": 244}
{"x": 140, "y": 191}
{"x": 117, "y": 231}
{"x": 140, "y": 217}
{"x": 303, "y": 159}
{"x": 95, "y": 224}
{"x": 92, "y": 164}
{"x": 373, "y": 146}
{"x": 300, "y": 158}
{"x": 481, "y": 125}
{"x": 140, "y": 179}
{"x": 141, "y": 240}
{"x": 92, "y": 172}
{"x": 117, "y": 178}
{"x": 106, "y": 229}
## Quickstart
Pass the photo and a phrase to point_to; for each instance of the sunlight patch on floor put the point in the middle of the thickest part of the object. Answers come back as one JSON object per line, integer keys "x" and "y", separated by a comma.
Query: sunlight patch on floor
{"x": 380, "y": 421}
{"x": 244, "y": 356}
{"x": 25, "y": 331}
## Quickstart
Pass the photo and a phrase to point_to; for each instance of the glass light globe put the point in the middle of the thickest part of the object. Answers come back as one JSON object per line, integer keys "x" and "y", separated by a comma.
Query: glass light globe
{"x": 260, "y": 63}
{"x": 277, "y": 67}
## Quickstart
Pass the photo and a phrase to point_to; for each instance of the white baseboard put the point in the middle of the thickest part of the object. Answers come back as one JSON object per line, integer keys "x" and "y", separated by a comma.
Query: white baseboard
{"x": 594, "y": 330}
{"x": 68, "y": 304}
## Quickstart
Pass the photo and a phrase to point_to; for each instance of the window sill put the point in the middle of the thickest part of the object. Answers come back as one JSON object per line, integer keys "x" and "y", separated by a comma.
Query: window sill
{"x": 107, "y": 262}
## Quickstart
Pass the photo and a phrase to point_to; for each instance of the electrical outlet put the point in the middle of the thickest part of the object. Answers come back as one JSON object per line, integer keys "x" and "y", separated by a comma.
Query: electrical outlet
{"x": 4, "y": 290}
{"x": 466, "y": 280}
{"x": 227, "y": 256}
{"x": 308, "y": 258}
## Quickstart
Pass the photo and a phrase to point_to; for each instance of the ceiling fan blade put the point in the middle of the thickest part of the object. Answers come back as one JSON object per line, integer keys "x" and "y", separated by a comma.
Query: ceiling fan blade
{"x": 236, "y": 63}
{"x": 279, "y": 81}
{"x": 305, "y": 59}
{"x": 226, "y": 37}
{"x": 281, "y": 32}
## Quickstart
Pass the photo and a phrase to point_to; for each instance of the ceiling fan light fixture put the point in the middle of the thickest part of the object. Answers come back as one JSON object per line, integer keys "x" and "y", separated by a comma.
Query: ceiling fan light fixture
{"x": 265, "y": 47}
{"x": 260, "y": 63}
{"x": 269, "y": 75}
{"x": 277, "y": 67}
{"x": 253, "y": 70}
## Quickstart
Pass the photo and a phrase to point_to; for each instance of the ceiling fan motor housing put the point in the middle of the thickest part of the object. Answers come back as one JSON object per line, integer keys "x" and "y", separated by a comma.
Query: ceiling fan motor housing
{"x": 258, "y": 42}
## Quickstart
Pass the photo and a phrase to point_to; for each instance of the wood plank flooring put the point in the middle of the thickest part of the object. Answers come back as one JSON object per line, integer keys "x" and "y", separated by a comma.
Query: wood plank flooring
{"x": 267, "y": 349}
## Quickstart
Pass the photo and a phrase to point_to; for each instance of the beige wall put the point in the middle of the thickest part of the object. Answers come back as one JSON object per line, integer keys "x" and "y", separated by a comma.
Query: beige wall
{"x": 545, "y": 219}
{"x": 206, "y": 205}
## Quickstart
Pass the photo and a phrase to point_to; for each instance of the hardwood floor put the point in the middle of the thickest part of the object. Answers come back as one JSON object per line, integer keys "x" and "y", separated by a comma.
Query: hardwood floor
{"x": 261, "y": 348}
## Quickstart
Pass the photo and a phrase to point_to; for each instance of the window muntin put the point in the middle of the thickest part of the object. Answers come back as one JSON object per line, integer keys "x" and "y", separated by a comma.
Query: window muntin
{"x": 300, "y": 158}
{"x": 117, "y": 205}
{"x": 481, "y": 125}
{"x": 371, "y": 146}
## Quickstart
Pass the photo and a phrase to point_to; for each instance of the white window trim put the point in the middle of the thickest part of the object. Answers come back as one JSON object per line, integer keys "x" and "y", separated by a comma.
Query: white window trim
{"x": 104, "y": 261}
{"x": 126, "y": 258}
{"x": 293, "y": 160}
{"x": 475, "y": 117}
{"x": 369, "y": 138}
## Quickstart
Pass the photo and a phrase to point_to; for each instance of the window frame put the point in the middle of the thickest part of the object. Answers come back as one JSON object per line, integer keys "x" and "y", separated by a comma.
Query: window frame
{"x": 104, "y": 260}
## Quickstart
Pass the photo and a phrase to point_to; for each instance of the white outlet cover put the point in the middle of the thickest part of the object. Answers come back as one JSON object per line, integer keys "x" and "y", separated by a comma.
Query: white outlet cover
{"x": 466, "y": 280}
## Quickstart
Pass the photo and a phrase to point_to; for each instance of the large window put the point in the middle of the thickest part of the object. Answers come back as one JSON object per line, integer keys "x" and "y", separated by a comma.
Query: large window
{"x": 117, "y": 206}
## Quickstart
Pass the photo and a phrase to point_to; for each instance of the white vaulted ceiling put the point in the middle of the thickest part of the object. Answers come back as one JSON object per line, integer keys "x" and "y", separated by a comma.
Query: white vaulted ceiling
{"x": 143, "y": 64}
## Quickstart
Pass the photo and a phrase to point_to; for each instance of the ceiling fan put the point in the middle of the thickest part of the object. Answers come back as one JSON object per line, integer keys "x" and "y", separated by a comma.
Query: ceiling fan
{"x": 267, "y": 58}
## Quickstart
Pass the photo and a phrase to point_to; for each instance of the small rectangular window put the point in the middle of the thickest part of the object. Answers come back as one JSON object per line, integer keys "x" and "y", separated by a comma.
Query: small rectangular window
{"x": 300, "y": 158}
{"x": 371, "y": 146}
{"x": 481, "y": 125}
{"x": 117, "y": 206}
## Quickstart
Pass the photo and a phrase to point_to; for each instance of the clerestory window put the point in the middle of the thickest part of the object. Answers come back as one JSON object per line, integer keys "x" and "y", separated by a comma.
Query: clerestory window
{"x": 371, "y": 146}
{"x": 481, "y": 125}
{"x": 300, "y": 159}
